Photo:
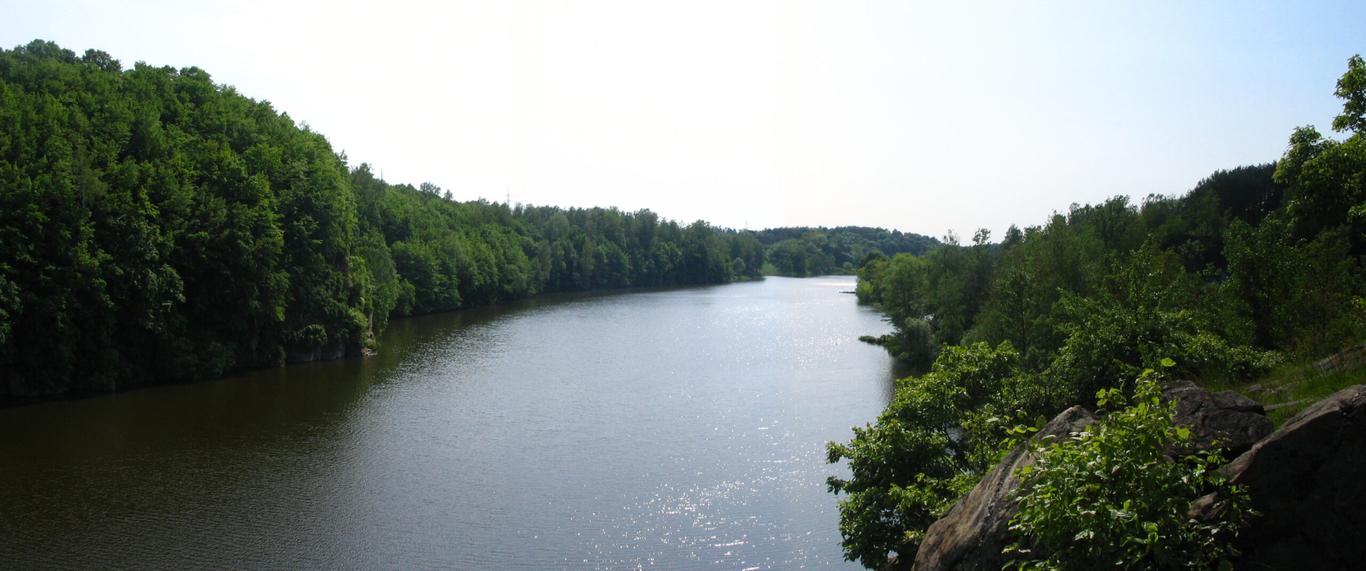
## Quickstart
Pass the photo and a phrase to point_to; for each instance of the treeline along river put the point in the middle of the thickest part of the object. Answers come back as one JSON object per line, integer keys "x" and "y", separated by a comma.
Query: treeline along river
{"x": 674, "y": 429}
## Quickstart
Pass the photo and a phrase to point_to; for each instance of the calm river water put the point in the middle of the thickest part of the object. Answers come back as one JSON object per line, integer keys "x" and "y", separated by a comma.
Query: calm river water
{"x": 678, "y": 429}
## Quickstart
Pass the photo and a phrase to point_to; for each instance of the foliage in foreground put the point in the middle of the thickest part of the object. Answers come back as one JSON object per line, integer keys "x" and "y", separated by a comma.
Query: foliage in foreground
{"x": 1110, "y": 497}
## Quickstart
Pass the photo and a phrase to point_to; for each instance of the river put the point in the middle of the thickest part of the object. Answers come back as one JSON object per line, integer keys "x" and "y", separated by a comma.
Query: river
{"x": 674, "y": 429}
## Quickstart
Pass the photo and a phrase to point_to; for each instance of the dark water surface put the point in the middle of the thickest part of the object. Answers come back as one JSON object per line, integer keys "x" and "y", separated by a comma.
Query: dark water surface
{"x": 679, "y": 429}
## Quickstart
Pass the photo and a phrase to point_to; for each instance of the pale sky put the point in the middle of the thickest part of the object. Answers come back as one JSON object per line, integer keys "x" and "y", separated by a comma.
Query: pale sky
{"x": 920, "y": 116}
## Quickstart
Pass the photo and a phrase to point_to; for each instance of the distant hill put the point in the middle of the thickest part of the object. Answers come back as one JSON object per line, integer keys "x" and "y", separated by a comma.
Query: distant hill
{"x": 807, "y": 251}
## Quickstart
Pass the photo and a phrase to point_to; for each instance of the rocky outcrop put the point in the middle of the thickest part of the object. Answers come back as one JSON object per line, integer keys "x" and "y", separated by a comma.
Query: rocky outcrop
{"x": 1345, "y": 360}
{"x": 1308, "y": 480}
{"x": 1226, "y": 419}
{"x": 972, "y": 534}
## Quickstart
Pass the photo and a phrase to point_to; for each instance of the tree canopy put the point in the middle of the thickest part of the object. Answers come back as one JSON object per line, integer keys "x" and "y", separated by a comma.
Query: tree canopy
{"x": 805, "y": 251}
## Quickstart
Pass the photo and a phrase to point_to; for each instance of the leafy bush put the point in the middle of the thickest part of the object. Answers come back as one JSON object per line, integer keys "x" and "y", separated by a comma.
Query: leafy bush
{"x": 1110, "y": 497}
{"x": 1145, "y": 312}
{"x": 928, "y": 448}
{"x": 913, "y": 343}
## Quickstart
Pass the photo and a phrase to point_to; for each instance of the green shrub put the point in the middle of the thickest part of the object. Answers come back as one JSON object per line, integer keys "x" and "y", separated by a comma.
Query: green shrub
{"x": 1110, "y": 340}
{"x": 1110, "y": 497}
{"x": 927, "y": 449}
{"x": 914, "y": 343}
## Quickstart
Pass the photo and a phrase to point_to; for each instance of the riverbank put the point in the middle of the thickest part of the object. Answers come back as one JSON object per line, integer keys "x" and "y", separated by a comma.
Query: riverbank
{"x": 477, "y": 312}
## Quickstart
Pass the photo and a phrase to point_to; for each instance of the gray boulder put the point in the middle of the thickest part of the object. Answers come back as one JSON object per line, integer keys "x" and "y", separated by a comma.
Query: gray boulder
{"x": 1347, "y": 359}
{"x": 973, "y": 533}
{"x": 1228, "y": 419}
{"x": 1308, "y": 480}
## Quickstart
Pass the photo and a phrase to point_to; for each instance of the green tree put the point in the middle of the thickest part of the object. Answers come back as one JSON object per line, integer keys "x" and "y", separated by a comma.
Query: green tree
{"x": 1351, "y": 89}
{"x": 923, "y": 452}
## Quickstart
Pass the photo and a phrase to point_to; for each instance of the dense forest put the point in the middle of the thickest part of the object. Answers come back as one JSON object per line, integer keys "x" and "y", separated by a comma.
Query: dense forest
{"x": 1253, "y": 268}
{"x": 155, "y": 226}
{"x": 804, "y": 251}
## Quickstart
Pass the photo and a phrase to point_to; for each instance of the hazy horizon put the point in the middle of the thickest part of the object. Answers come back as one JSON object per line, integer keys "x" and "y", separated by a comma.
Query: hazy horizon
{"x": 916, "y": 117}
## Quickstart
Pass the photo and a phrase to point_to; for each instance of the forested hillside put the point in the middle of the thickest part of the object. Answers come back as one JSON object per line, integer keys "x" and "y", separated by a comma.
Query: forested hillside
{"x": 805, "y": 251}
{"x": 1253, "y": 268}
{"x": 155, "y": 226}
